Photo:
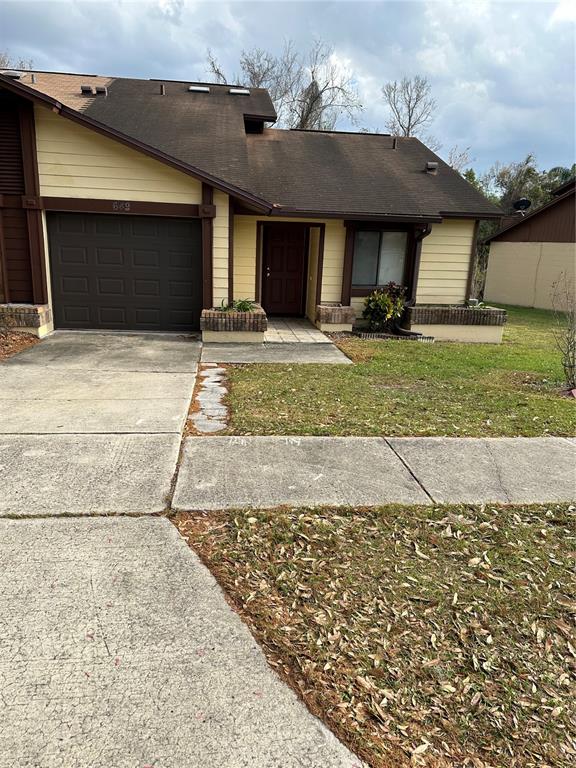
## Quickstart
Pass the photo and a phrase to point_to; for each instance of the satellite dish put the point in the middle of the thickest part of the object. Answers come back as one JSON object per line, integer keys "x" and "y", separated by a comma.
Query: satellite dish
{"x": 522, "y": 204}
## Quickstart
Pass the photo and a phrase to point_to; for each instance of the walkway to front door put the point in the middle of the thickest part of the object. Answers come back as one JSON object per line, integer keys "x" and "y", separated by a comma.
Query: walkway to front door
{"x": 293, "y": 330}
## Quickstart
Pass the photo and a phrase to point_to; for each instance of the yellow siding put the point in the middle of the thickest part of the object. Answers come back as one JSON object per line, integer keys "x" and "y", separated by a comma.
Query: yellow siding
{"x": 312, "y": 274}
{"x": 74, "y": 161}
{"x": 245, "y": 255}
{"x": 524, "y": 273}
{"x": 445, "y": 262}
{"x": 220, "y": 249}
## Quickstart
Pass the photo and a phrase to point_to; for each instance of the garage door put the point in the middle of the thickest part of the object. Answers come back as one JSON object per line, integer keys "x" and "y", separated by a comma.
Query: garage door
{"x": 139, "y": 273}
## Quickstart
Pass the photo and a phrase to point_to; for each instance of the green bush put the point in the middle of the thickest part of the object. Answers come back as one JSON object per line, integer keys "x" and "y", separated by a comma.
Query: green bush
{"x": 241, "y": 305}
{"x": 383, "y": 306}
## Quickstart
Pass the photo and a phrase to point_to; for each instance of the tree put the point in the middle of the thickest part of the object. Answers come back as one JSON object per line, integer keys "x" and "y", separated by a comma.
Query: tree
{"x": 412, "y": 108}
{"x": 524, "y": 179}
{"x": 459, "y": 159}
{"x": 7, "y": 61}
{"x": 309, "y": 90}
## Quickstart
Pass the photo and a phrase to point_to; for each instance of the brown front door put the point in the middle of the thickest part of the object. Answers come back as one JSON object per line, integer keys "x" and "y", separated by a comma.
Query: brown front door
{"x": 284, "y": 269}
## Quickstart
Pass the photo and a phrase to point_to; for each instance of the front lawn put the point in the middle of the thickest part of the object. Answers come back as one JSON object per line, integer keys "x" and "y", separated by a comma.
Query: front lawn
{"x": 410, "y": 388}
{"x": 422, "y": 636}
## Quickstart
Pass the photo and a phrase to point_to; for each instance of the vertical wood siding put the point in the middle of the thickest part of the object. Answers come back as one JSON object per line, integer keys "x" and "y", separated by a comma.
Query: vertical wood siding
{"x": 74, "y": 161}
{"x": 312, "y": 274}
{"x": 445, "y": 263}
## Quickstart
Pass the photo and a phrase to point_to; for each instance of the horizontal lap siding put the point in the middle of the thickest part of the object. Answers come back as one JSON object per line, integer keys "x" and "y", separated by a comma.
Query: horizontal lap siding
{"x": 445, "y": 263}
{"x": 245, "y": 254}
{"x": 77, "y": 162}
{"x": 220, "y": 249}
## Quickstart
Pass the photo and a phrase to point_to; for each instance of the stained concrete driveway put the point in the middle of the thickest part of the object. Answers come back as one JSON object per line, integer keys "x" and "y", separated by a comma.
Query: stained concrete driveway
{"x": 90, "y": 423}
{"x": 119, "y": 649}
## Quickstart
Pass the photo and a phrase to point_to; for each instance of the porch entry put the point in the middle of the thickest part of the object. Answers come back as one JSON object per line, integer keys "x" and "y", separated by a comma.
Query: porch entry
{"x": 284, "y": 269}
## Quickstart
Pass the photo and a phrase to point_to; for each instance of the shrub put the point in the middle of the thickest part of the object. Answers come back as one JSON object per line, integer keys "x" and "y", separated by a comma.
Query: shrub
{"x": 241, "y": 305}
{"x": 383, "y": 306}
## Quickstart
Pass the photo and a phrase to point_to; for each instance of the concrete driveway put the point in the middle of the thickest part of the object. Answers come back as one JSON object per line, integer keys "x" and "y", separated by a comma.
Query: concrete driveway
{"x": 119, "y": 650}
{"x": 91, "y": 422}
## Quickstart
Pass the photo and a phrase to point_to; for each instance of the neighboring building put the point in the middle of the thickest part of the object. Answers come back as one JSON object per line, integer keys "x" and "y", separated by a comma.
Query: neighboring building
{"x": 134, "y": 204}
{"x": 529, "y": 254}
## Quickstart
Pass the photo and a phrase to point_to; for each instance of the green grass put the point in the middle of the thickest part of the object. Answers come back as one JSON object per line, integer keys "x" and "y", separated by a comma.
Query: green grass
{"x": 407, "y": 388}
{"x": 423, "y": 636}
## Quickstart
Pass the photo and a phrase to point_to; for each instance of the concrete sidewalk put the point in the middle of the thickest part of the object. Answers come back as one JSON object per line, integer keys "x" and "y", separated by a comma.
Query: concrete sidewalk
{"x": 119, "y": 649}
{"x": 228, "y": 472}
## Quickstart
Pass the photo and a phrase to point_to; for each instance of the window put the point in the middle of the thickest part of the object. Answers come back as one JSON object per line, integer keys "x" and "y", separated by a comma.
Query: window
{"x": 379, "y": 258}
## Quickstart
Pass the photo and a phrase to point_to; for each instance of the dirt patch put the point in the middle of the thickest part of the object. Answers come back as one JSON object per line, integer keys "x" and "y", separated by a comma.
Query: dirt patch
{"x": 13, "y": 343}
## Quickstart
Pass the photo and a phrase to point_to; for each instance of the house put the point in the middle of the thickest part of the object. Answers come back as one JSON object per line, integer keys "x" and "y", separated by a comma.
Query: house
{"x": 530, "y": 253}
{"x": 137, "y": 204}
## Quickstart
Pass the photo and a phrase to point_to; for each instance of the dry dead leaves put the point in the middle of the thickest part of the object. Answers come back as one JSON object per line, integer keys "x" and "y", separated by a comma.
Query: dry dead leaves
{"x": 427, "y": 637}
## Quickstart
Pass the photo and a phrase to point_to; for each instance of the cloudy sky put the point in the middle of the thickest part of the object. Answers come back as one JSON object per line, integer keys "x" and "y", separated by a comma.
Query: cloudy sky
{"x": 502, "y": 72}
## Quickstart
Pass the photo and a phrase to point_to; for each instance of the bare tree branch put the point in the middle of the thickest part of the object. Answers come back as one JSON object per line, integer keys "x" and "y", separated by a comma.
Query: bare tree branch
{"x": 459, "y": 159}
{"x": 308, "y": 90}
{"x": 412, "y": 108}
{"x": 7, "y": 61}
{"x": 564, "y": 304}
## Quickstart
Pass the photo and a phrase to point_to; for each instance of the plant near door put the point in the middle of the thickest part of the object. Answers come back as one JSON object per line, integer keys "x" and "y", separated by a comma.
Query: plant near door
{"x": 384, "y": 305}
{"x": 240, "y": 305}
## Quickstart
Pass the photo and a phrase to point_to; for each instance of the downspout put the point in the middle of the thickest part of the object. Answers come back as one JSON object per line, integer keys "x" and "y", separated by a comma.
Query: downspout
{"x": 418, "y": 237}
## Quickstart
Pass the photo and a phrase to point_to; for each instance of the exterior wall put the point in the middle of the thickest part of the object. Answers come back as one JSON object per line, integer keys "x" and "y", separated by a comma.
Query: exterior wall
{"x": 553, "y": 223}
{"x": 220, "y": 249}
{"x": 524, "y": 273}
{"x": 445, "y": 263}
{"x": 245, "y": 254}
{"x": 74, "y": 161}
{"x": 479, "y": 334}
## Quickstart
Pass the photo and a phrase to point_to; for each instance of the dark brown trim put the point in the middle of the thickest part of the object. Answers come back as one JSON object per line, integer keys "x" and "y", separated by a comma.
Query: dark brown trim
{"x": 258, "y": 280}
{"x": 473, "y": 259}
{"x": 353, "y": 217}
{"x": 30, "y": 202}
{"x": 207, "y": 246}
{"x": 11, "y": 201}
{"x": 56, "y": 106}
{"x": 418, "y": 237}
{"x": 470, "y": 215}
{"x": 347, "y": 268}
{"x": 131, "y": 207}
{"x": 320, "y": 265}
{"x": 230, "y": 251}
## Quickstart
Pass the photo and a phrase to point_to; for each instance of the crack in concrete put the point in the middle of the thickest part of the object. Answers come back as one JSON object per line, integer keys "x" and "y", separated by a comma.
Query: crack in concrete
{"x": 410, "y": 470}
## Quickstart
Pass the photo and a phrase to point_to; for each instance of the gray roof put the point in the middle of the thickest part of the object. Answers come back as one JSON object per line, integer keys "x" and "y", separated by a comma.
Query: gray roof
{"x": 307, "y": 171}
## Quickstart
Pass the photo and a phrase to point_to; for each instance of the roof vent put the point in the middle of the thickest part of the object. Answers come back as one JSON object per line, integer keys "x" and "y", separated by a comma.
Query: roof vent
{"x": 102, "y": 89}
{"x": 87, "y": 90}
{"x": 199, "y": 88}
{"x": 11, "y": 74}
{"x": 432, "y": 168}
{"x": 239, "y": 91}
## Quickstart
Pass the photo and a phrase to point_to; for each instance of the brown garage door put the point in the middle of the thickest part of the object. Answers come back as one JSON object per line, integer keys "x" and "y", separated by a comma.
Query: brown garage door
{"x": 140, "y": 273}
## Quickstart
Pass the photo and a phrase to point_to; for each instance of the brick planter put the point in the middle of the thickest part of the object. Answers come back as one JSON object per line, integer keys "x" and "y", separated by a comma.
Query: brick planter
{"x": 232, "y": 326}
{"x": 335, "y": 317}
{"x": 472, "y": 324}
{"x": 29, "y": 318}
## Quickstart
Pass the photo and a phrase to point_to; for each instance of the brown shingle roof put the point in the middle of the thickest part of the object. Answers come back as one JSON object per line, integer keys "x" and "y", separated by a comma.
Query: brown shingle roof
{"x": 308, "y": 171}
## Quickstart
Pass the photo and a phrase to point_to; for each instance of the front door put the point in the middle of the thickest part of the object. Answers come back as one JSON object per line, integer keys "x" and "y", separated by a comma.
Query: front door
{"x": 284, "y": 269}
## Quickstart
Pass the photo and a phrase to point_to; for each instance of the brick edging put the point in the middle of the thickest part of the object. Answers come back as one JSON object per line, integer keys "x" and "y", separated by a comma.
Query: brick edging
{"x": 455, "y": 316}
{"x": 216, "y": 320}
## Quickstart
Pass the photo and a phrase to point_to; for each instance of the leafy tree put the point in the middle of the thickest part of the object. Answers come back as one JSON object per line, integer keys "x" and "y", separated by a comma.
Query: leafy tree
{"x": 309, "y": 90}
